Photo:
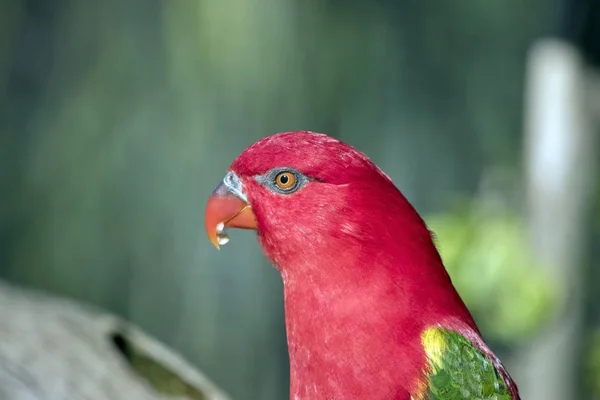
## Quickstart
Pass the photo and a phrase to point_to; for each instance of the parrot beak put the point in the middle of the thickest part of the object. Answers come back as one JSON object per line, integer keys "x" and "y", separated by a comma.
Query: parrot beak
{"x": 227, "y": 207}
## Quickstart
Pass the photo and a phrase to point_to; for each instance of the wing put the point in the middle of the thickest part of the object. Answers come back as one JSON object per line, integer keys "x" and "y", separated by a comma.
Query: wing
{"x": 458, "y": 370}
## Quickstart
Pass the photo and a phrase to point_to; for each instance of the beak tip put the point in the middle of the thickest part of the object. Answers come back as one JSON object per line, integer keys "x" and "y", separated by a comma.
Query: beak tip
{"x": 214, "y": 240}
{"x": 226, "y": 209}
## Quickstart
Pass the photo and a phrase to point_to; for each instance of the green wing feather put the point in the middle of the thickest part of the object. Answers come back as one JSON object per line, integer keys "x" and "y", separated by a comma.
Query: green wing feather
{"x": 458, "y": 370}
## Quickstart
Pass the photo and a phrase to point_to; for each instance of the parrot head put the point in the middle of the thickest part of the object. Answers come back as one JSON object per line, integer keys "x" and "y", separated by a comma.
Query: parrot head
{"x": 305, "y": 192}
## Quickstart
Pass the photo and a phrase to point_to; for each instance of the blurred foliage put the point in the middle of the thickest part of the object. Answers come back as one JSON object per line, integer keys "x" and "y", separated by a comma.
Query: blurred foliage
{"x": 592, "y": 345}
{"x": 597, "y": 209}
{"x": 485, "y": 248}
{"x": 592, "y": 367}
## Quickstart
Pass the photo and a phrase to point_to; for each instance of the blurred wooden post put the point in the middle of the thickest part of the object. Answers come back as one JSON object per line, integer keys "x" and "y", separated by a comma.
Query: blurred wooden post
{"x": 560, "y": 168}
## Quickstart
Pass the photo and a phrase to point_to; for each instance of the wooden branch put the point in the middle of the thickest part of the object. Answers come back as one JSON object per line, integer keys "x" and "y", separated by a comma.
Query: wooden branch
{"x": 57, "y": 349}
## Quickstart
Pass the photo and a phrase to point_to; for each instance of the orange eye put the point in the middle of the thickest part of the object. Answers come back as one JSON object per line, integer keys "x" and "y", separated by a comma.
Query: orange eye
{"x": 285, "y": 180}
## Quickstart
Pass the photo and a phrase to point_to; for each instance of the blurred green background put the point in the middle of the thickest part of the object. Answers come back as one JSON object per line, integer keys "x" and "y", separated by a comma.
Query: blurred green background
{"x": 118, "y": 117}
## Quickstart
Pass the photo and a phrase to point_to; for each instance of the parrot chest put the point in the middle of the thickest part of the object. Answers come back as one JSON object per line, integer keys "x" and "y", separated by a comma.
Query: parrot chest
{"x": 348, "y": 350}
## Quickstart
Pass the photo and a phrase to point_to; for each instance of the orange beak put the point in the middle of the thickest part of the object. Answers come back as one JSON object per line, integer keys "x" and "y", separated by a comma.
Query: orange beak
{"x": 227, "y": 207}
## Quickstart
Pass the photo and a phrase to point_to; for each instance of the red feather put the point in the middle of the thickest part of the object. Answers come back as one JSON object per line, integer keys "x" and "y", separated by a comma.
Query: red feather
{"x": 362, "y": 276}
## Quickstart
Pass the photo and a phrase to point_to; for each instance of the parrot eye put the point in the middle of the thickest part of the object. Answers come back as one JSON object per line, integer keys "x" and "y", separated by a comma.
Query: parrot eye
{"x": 283, "y": 180}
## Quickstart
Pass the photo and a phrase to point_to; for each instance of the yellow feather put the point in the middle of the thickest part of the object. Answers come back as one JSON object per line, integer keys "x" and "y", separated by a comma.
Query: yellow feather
{"x": 435, "y": 345}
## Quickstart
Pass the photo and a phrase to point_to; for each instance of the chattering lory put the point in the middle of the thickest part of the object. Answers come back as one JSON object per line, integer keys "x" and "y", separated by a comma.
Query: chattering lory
{"x": 371, "y": 313}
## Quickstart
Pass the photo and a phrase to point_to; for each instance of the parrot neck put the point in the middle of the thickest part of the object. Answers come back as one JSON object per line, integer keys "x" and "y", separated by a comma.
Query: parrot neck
{"x": 354, "y": 321}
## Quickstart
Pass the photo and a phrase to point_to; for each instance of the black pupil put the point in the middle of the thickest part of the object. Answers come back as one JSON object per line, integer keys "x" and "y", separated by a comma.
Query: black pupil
{"x": 284, "y": 179}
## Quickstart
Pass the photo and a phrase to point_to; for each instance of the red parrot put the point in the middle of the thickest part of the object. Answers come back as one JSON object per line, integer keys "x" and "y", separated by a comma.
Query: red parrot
{"x": 370, "y": 310}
